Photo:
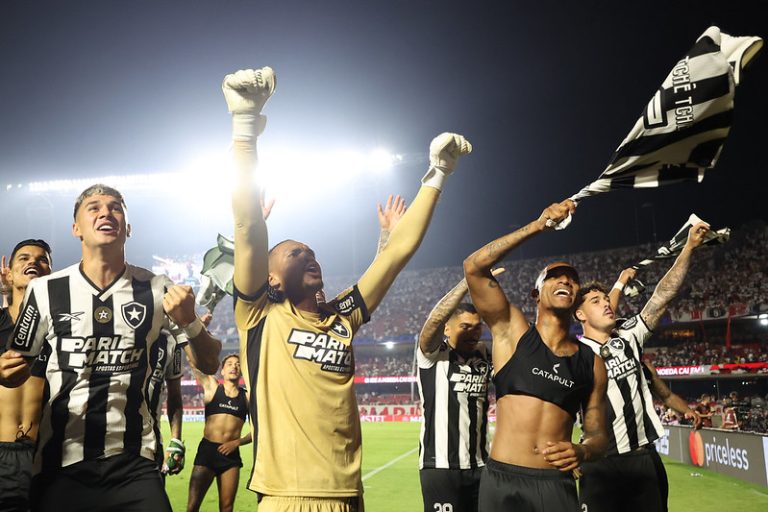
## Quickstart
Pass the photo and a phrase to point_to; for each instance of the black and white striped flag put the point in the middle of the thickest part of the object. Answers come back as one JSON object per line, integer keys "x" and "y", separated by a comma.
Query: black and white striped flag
{"x": 673, "y": 247}
{"x": 683, "y": 128}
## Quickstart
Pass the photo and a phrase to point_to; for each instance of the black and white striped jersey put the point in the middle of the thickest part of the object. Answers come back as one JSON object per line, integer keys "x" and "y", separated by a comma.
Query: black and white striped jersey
{"x": 633, "y": 420}
{"x": 101, "y": 344}
{"x": 454, "y": 397}
{"x": 165, "y": 361}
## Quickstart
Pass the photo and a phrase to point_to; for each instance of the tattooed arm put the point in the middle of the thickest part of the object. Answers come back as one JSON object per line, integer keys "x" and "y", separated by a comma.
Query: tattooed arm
{"x": 662, "y": 392}
{"x": 670, "y": 284}
{"x": 487, "y": 297}
{"x": 432, "y": 332}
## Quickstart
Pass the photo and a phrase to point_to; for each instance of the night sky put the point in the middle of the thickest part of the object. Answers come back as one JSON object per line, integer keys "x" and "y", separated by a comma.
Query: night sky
{"x": 545, "y": 91}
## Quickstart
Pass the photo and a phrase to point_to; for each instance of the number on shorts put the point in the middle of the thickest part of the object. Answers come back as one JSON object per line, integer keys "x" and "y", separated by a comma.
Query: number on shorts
{"x": 443, "y": 507}
{"x": 584, "y": 507}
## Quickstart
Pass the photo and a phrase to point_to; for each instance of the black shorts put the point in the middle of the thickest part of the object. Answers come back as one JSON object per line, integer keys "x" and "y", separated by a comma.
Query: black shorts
{"x": 457, "y": 487}
{"x": 634, "y": 481}
{"x": 125, "y": 482}
{"x": 506, "y": 487}
{"x": 209, "y": 457}
{"x": 16, "y": 475}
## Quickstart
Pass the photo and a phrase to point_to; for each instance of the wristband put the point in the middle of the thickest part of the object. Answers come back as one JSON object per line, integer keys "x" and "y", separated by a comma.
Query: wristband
{"x": 246, "y": 127}
{"x": 618, "y": 286}
{"x": 193, "y": 328}
{"x": 434, "y": 178}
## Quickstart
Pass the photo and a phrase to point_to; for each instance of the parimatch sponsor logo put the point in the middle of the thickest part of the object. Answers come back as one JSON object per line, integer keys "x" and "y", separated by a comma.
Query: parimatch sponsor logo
{"x": 331, "y": 354}
{"x": 618, "y": 369}
{"x": 158, "y": 374}
{"x": 471, "y": 378}
{"x": 101, "y": 354}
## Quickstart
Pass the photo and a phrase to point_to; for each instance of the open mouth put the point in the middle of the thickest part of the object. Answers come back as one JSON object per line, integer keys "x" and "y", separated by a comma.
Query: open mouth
{"x": 32, "y": 271}
{"x": 312, "y": 268}
{"x": 106, "y": 228}
{"x": 562, "y": 292}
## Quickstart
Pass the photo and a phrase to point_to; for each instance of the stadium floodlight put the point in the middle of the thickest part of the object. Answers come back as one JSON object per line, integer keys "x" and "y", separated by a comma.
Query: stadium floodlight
{"x": 764, "y": 321}
{"x": 285, "y": 173}
{"x": 389, "y": 344}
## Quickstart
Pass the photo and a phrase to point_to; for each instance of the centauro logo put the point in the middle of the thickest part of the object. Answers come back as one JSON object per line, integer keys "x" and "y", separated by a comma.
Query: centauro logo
{"x": 331, "y": 354}
{"x": 108, "y": 354}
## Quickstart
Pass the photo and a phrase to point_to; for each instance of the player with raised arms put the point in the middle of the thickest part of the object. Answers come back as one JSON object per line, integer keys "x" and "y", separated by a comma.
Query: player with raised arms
{"x": 297, "y": 354}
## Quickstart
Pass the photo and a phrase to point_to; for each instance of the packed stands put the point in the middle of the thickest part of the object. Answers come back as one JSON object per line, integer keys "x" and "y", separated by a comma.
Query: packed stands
{"x": 725, "y": 285}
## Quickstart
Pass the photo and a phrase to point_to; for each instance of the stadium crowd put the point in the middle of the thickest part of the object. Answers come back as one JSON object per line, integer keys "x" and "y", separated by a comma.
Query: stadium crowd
{"x": 707, "y": 353}
{"x": 707, "y": 294}
{"x": 728, "y": 412}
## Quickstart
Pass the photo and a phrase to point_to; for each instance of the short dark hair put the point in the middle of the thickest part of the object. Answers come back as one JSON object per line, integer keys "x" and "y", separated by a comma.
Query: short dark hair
{"x": 34, "y": 242}
{"x": 464, "y": 307}
{"x": 229, "y": 357}
{"x": 277, "y": 245}
{"x": 97, "y": 189}
{"x": 592, "y": 286}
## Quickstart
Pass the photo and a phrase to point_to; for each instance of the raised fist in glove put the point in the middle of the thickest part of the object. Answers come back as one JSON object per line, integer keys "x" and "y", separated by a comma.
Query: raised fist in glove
{"x": 444, "y": 150}
{"x": 174, "y": 457}
{"x": 246, "y": 92}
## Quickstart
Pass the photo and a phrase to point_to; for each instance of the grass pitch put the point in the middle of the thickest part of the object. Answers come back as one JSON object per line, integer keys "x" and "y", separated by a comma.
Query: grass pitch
{"x": 391, "y": 477}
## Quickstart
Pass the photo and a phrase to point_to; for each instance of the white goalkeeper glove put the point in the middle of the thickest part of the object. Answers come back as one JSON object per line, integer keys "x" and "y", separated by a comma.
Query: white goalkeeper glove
{"x": 246, "y": 92}
{"x": 444, "y": 151}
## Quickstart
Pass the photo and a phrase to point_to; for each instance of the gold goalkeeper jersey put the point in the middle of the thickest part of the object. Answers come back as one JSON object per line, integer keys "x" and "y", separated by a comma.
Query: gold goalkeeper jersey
{"x": 299, "y": 368}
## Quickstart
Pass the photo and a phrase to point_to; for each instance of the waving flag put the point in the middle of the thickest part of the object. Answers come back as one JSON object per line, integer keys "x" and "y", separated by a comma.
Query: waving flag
{"x": 683, "y": 128}
{"x": 672, "y": 248}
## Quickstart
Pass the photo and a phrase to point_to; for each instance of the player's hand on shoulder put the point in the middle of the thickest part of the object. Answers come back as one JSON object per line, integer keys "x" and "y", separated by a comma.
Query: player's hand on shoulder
{"x": 179, "y": 304}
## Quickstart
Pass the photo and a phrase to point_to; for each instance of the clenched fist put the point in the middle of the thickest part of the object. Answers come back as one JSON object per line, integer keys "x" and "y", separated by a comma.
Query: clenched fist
{"x": 179, "y": 305}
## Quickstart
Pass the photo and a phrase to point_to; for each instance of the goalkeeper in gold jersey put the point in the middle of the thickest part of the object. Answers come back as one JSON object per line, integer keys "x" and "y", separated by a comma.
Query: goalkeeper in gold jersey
{"x": 297, "y": 354}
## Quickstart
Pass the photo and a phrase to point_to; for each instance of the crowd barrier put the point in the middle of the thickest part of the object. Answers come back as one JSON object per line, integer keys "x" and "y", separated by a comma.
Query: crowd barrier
{"x": 742, "y": 455}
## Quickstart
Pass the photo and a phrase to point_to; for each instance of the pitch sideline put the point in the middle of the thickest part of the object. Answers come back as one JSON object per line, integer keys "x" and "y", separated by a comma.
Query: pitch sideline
{"x": 388, "y": 464}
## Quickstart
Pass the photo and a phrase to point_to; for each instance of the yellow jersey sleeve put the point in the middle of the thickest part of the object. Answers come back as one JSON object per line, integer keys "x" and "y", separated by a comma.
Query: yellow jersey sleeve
{"x": 351, "y": 305}
{"x": 251, "y": 309}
